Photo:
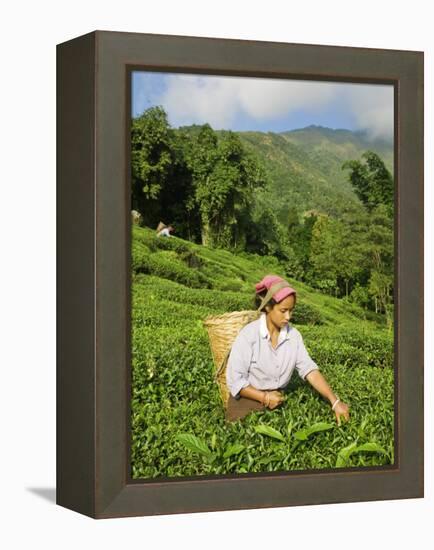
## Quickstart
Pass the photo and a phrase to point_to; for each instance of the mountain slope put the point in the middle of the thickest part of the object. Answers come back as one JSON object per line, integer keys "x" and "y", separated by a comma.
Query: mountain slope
{"x": 305, "y": 165}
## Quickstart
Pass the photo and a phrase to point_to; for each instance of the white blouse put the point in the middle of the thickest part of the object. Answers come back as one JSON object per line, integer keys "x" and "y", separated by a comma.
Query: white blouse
{"x": 253, "y": 360}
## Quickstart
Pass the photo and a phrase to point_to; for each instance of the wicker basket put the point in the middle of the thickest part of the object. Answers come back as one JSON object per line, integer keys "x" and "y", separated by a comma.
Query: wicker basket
{"x": 160, "y": 226}
{"x": 222, "y": 331}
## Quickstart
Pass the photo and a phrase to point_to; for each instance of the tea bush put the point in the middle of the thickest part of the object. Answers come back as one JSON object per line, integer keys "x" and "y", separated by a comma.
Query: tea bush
{"x": 168, "y": 267}
{"x": 177, "y": 419}
{"x": 306, "y": 314}
{"x": 352, "y": 345}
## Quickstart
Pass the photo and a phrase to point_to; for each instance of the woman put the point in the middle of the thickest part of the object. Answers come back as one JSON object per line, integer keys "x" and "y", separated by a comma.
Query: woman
{"x": 164, "y": 230}
{"x": 265, "y": 354}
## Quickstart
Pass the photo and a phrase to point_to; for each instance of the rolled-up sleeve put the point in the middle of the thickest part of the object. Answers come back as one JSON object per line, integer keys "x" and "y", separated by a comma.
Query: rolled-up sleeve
{"x": 237, "y": 370}
{"x": 304, "y": 363}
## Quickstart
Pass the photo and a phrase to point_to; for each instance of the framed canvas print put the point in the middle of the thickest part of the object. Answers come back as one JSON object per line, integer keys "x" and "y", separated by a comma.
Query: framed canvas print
{"x": 240, "y": 274}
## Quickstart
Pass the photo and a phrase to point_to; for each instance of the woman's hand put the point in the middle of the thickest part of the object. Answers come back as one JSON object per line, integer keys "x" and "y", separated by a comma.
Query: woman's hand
{"x": 342, "y": 409}
{"x": 275, "y": 399}
{"x": 317, "y": 381}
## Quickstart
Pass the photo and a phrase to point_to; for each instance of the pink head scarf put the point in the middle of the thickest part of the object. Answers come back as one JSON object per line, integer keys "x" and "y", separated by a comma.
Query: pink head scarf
{"x": 268, "y": 281}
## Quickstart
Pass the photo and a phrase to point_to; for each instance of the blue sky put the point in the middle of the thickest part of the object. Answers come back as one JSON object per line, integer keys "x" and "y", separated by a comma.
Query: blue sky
{"x": 268, "y": 105}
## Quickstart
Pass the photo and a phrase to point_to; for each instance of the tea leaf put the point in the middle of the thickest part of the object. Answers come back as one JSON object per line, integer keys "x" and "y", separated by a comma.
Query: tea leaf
{"x": 289, "y": 428}
{"x": 319, "y": 427}
{"x": 371, "y": 447}
{"x": 344, "y": 454}
{"x": 341, "y": 462}
{"x": 305, "y": 433}
{"x": 233, "y": 450}
{"x": 301, "y": 435}
{"x": 268, "y": 459}
{"x": 268, "y": 430}
{"x": 194, "y": 444}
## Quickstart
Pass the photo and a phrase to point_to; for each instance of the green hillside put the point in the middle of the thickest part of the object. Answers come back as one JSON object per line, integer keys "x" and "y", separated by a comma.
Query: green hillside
{"x": 340, "y": 144}
{"x": 305, "y": 165}
{"x": 282, "y": 195}
{"x": 178, "y": 425}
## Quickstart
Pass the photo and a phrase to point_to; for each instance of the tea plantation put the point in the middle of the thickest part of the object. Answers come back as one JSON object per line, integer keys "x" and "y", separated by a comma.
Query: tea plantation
{"x": 178, "y": 424}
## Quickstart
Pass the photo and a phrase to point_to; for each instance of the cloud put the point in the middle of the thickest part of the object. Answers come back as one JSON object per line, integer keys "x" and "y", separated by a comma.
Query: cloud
{"x": 372, "y": 107}
{"x": 219, "y": 100}
{"x": 190, "y": 99}
{"x": 263, "y": 98}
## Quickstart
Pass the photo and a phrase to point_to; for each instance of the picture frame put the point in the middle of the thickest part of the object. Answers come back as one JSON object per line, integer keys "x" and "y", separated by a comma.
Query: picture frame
{"x": 93, "y": 287}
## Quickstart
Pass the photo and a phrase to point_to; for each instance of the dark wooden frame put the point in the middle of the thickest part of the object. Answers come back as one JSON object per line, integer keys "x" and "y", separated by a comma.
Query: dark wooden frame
{"x": 93, "y": 201}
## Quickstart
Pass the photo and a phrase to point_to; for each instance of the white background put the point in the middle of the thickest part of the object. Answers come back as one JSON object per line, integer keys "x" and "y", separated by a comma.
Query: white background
{"x": 29, "y": 34}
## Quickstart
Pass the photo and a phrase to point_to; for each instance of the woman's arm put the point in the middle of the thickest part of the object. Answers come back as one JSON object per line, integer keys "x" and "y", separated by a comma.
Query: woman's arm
{"x": 317, "y": 381}
{"x": 252, "y": 393}
{"x": 270, "y": 399}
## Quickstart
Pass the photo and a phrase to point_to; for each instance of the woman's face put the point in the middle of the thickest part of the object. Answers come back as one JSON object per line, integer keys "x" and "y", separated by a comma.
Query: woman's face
{"x": 280, "y": 313}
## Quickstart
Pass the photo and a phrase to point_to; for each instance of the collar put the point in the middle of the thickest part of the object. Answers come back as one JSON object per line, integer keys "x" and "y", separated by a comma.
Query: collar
{"x": 263, "y": 330}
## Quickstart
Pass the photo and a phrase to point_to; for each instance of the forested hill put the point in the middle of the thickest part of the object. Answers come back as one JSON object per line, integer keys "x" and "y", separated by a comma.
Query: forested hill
{"x": 318, "y": 200}
{"x": 305, "y": 165}
{"x": 341, "y": 144}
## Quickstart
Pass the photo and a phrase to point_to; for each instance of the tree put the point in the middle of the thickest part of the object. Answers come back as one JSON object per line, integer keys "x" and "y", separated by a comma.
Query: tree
{"x": 201, "y": 157}
{"x": 324, "y": 244}
{"x": 292, "y": 219}
{"x": 352, "y": 265}
{"x": 380, "y": 236}
{"x": 337, "y": 254}
{"x": 266, "y": 236}
{"x": 371, "y": 180}
{"x": 225, "y": 177}
{"x": 176, "y": 195}
{"x": 151, "y": 161}
{"x": 300, "y": 239}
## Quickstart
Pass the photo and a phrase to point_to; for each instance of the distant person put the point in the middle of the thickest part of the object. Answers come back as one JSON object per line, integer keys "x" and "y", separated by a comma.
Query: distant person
{"x": 265, "y": 354}
{"x": 164, "y": 230}
{"x": 136, "y": 217}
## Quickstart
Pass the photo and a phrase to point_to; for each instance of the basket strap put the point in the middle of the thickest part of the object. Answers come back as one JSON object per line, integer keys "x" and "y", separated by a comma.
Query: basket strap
{"x": 272, "y": 290}
{"x": 223, "y": 365}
